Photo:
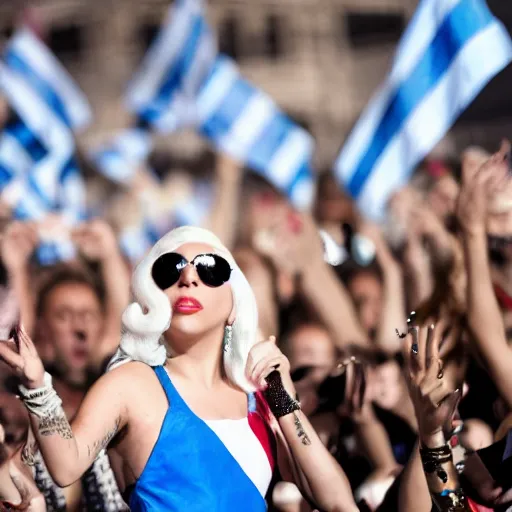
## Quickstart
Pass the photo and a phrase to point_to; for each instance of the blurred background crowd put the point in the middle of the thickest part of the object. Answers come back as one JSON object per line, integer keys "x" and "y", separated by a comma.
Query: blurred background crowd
{"x": 331, "y": 279}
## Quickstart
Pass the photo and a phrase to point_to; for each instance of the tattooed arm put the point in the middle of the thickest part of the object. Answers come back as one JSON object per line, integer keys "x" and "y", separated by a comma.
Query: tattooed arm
{"x": 311, "y": 467}
{"x": 69, "y": 450}
{"x": 320, "y": 475}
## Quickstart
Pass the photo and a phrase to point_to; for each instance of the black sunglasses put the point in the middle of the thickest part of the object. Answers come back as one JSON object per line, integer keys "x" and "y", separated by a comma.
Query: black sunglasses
{"x": 212, "y": 269}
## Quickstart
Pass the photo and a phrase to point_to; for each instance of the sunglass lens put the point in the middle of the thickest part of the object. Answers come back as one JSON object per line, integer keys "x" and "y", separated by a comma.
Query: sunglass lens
{"x": 166, "y": 269}
{"x": 212, "y": 270}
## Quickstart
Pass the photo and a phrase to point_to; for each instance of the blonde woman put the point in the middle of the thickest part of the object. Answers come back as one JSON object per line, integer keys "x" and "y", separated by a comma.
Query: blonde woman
{"x": 201, "y": 415}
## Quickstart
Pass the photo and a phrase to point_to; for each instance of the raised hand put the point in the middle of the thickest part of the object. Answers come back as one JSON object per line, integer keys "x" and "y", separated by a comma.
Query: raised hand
{"x": 20, "y": 354}
{"x": 292, "y": 244}
{"x": 18, "y": 244}
{"x": 480, "y": 188}
{"x": 434, "y": 403}
{"x": 95, "y": 240}
{"x": 264, "y": 358}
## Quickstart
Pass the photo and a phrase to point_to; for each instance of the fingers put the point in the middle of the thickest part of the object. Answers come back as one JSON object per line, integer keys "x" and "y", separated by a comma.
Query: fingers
{"x": 410, "y": 365}
{"x": 263, "y": 355}
{"x": 432, "y": 346}
{"x": 419, "y": 348}
{"x": 263, "y": 369}
{"x": 25, "y": 342}
{"x": 10, "y": 356}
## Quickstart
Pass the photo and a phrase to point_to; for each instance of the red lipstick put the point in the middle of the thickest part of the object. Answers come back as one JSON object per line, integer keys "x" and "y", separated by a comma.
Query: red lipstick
{"x": 187, "y": 306}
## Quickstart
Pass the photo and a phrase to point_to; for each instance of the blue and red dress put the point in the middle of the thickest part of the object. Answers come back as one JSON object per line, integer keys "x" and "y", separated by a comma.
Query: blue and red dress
{"x": 214, "y": 466}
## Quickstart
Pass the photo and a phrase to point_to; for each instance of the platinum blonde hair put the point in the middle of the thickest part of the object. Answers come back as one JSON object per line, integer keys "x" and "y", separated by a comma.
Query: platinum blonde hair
{"x": 145, "y": 321}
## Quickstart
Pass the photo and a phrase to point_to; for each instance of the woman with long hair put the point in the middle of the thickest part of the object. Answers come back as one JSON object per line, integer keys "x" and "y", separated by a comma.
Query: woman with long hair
{"x": 201, "y": 414}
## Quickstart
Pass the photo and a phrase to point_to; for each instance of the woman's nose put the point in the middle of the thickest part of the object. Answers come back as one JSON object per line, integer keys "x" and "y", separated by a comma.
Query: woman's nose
{"x": 188, "y": 277}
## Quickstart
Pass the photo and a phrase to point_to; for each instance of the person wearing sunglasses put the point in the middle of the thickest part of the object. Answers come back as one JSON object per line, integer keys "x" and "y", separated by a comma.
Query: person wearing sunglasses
{"x": 201, "y": 414}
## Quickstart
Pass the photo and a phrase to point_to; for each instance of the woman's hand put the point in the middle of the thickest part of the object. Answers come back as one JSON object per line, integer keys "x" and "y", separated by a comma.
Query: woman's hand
{"x": 18, "y": 244}
{"x": 20, "y": 354}
{"x": 264, "y": 358}
{"x": 293, "y": 244}
{"x": 96, "y": 240}
{"x": 434, "y": 404}
{"x": 479, "y": 188}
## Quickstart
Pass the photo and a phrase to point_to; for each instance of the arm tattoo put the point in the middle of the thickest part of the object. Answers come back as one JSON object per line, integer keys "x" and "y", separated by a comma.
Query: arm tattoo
{"x": 55, "y": 423}
{"x": 28, "y": 454}
{"x": 301, "y": 433}
{"x": 101, "y": 444}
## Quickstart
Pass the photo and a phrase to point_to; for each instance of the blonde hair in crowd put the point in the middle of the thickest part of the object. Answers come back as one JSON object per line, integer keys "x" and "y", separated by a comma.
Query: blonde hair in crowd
{"x": 145, "y": 321}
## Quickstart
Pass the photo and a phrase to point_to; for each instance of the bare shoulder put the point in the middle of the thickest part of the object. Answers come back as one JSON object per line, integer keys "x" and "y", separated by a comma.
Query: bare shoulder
{"x": 122, "y": 385}
{"x": 126, "y": 376}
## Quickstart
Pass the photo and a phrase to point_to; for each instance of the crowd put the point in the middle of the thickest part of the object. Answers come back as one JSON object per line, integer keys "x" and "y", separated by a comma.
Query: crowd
{"x": 396, "y": 338}
{"x": 193, "y": 335}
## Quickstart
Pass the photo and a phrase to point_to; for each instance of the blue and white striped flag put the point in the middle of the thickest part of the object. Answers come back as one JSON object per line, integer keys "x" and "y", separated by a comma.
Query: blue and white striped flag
{"x": 449, "y": 52}
{"x": 20, "y": 148}
{"x": 33, "y": 145}
{"x": 163, "y": 92}
{"x": 37, "y": 166}
{"x": 136, "y": 241}
{"x": 33, "y": 61}
{"x": 245, "y": 123}
{"x": 184, "y": 82}
{"x": 119, "y": 159}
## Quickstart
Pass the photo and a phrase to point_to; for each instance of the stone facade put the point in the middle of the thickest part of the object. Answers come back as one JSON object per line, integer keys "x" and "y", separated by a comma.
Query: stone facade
{"x": 320, "y": 59}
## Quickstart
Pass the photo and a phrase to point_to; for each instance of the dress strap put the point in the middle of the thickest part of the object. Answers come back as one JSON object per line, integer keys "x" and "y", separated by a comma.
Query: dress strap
{"x": 170, "y": 391}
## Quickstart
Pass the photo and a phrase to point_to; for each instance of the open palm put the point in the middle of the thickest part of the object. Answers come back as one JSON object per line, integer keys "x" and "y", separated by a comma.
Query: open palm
{"x": 21, "y": 355}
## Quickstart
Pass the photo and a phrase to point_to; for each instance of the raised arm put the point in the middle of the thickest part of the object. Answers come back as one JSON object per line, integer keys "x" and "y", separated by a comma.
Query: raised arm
{"x": 299, "y": 252}
{"x": 67, "y": 450}
{"x": 223, "y": 217}
{"x": 393, "y": 306}
{"x": 374, "y": 441}
{"x": 96, "y": 240}
{"x": 319, "y": 477}
{"x": 434, "y": 406}
{"x": 484, "y": 316}
{"x": 18, "y": 244}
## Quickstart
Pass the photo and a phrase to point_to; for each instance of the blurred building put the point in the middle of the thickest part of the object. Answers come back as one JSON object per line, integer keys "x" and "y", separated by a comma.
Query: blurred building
{"x": 320, "y": 59}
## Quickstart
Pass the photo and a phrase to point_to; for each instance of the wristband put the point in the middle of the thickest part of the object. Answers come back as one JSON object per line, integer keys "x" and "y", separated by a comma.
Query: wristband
{"x": 280, "y": 402}
{"x": 41, "y": 401}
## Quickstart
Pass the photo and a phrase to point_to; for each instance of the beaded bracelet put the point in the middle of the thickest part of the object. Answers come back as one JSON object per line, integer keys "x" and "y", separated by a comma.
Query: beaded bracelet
{"x": 432, "y": 458}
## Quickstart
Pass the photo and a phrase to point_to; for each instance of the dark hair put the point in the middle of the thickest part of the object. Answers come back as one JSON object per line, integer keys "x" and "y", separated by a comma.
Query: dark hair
{"x": 67, "y": 275}
{"x": 350, "y": 269}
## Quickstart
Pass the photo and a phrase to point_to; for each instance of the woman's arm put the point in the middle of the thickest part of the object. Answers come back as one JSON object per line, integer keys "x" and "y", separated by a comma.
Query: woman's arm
{"x": 413, "y": 492}
{"x": 68, "y": 450}
{"x": 317, "y": 474}
{"x": 393, "y": 304}
{"x": 299, "y": 253}
{"x": 332, "y": 303}
{"x": 18, "y": 245}
{"x": 434, "y": 405}
{"x": 97, "y": 242}
{"x": 374, "y": 441}
{"x": 484, "y": 316}
{"x": 322, "y": 477}
{"x": 223, "y": 216}
{"x": 418, "y": 272}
